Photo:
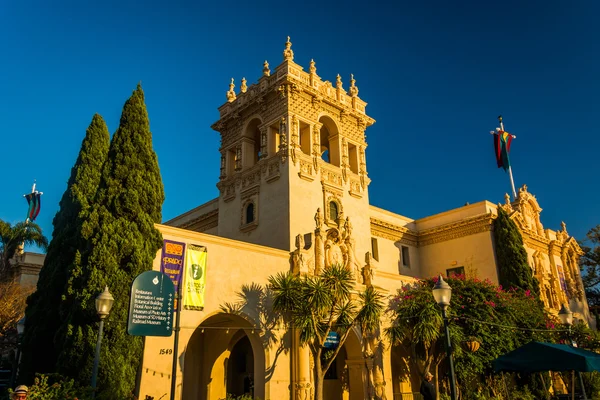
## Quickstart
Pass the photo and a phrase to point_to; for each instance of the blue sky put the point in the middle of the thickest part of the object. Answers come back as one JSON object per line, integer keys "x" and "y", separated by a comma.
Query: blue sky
{"x": 436, "y": 74}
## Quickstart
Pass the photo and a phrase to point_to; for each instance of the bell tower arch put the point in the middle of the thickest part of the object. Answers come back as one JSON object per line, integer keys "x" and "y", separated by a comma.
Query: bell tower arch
{"x": 291, "y": 143}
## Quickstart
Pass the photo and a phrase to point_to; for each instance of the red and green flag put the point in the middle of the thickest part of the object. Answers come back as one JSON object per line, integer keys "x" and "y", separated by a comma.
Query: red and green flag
{"x": 502, "y": 142}
{"x": 35, "y": 203}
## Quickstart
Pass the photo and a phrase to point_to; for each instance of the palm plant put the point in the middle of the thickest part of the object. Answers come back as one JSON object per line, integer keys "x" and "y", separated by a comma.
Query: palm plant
{"x": 13, "y": 236}
{"x": 318, "y": 305}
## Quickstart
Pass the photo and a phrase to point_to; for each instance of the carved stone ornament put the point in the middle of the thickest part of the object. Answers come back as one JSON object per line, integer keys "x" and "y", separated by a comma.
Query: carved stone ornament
{"x": 338, "y": 82}
{"x": 238, "y": 158}
{"x": 244, "y": 86}
{"x": 288, "y": 53}
{"x": 266, "y": 70}
{"x": 335, "y": 246}
{"x": 312, "y": 67}
{"x": 231, "y": 93}
{"x": 294, "y": 139}
{"x": 353, "y": 88}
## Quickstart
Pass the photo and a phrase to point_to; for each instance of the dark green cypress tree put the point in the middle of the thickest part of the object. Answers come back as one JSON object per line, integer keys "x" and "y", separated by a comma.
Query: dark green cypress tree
{"x": 42, "y": 314}
{"x": 513, "y": 268}
{"x": 122, "y": 243}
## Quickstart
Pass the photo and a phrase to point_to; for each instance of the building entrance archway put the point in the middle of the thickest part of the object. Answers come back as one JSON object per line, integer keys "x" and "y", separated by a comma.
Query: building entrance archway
{"x": 224, "y": 355}
{"x": 346, "y": 378}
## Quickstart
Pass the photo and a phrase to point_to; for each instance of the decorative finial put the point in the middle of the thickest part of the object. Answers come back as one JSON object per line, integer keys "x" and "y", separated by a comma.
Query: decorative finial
{"x": 338, "y": 82}
{"x": 353, "y": 88}
{"x": 563, "y": 226}
{"x": 266, "y": 70}
{"x": 288, "y": 53}
{"x": 231, "y": 93}
{"x": 244, "y": 87}
{"x": 312, "y": 68}
{"x": 506, "y": 198}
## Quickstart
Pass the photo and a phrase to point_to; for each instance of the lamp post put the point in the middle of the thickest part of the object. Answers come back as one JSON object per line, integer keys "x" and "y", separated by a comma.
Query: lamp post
{"x": 104, "y": 303}
{"x": 20, "y": 332}
{"x": 442, "y": 293}
{"x": 566, "y": 317}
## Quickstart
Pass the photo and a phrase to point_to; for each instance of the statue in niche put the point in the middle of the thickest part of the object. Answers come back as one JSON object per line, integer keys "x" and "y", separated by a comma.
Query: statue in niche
{"x": 333, "y": 250}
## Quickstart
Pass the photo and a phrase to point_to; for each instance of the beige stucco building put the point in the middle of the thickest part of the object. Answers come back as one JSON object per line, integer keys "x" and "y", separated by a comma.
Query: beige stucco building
{"x": 294, "y": 195}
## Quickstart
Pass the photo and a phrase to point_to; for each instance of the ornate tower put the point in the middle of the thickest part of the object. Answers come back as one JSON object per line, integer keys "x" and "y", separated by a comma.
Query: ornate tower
{"x": 290, "y": 144}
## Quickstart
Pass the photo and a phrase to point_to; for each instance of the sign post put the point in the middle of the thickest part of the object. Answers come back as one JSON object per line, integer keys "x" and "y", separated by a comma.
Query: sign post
{"x": 151, "y": 305}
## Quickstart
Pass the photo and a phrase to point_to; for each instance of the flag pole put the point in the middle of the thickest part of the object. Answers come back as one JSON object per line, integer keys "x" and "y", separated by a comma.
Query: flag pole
{"x": 510, "y": 174}
{"x": 512, "y": 183}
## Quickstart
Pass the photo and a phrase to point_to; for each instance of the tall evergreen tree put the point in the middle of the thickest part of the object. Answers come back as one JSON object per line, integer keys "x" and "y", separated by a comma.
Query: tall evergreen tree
{"x": 590, "y": 266}
{"x": 42, "y": 314}
{"x": 513, "y": 268}
{"x": 121, "y": 243}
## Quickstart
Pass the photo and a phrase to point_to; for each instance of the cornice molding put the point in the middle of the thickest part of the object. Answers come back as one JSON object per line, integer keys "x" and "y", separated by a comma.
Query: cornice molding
{"x": 456, "y": 230}
{"x": 203, "y": 222}
{"x": 393, "y": 232}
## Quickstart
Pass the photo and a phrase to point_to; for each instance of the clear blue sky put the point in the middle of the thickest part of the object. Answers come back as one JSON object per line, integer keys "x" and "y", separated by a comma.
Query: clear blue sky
{"x": 436, "y": 75}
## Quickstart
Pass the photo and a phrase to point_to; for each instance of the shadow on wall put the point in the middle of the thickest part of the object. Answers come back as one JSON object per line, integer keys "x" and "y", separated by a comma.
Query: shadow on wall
{"x": 255, "y": 303}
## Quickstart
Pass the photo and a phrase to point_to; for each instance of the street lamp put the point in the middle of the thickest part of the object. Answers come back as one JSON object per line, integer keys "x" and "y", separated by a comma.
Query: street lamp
{"x": 20, "y": 332}
{"x": 566, "y": 317}
{"x": 104, "y": 303}
{"x": 442, "y": 292}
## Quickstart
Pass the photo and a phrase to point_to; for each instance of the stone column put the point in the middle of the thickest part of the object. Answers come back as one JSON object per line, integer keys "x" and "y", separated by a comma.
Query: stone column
{"x": 263, "y": 141}
{"x": 223, "y": 172}
{"x": 238, "y": 157}
{"x": 319, "y": 252}
{"x": 304, "y": 386}
{"x": 316, "y": 143}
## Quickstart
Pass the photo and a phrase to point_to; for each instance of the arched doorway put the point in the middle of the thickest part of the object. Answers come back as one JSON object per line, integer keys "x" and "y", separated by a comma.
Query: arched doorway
{"x": 346, "y": 378}
{"x": 240, "y": 367}
{"x": 224, "y": 355}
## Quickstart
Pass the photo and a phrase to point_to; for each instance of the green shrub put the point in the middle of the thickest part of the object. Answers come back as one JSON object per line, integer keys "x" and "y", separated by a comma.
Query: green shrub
{"x": 55, "y": 387}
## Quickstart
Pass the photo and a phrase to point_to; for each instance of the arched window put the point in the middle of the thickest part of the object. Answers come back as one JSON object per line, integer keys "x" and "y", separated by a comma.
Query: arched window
{"x": 333, "y": 211}
{"x": 250, "y": 213}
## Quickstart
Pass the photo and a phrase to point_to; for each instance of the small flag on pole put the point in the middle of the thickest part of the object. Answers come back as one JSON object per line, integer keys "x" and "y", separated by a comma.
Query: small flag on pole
{"x": 502, "y": 141}
{"x": 34, "y": 200}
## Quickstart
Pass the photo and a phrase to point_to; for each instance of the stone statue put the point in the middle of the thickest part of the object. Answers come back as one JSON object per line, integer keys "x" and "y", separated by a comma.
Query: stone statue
{"x": 368, "y": 270}
{"x": 319, "y": 218}
{"x": 297, "y": 256}
{"x": 266, "y": 70}
{"x": 348, "y": 227}
{"x": 244, "y": 87}
{"x": 300, "y": 242}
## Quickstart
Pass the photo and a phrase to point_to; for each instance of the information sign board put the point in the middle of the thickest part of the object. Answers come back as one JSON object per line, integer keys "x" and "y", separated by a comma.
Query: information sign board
{"x": 151, "y": 305}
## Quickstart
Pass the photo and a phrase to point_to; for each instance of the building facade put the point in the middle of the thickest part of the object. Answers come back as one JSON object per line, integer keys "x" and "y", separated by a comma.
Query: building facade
{"x": 294, "y": 196}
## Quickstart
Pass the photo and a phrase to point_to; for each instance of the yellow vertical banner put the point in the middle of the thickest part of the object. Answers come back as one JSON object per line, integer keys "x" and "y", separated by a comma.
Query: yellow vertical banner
{"x": 195, "y": 277}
